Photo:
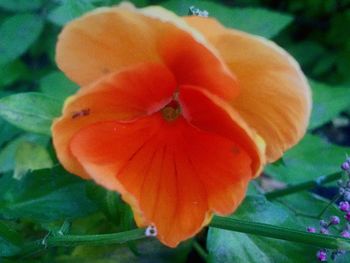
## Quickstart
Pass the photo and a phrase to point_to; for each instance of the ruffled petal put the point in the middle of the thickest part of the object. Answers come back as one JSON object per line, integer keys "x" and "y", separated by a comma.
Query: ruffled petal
{"x": 275, "y": 97}
{"x": 210, "y": 113}
{"x": 134, "y": 92}
{"x": 168, "y": 171}
{"x": 110, "y": 39}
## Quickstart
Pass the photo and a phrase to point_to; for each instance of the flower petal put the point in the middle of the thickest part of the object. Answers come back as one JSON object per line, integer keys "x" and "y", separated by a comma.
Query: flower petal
{"x": 210, "y": 113}
{"x": 168, "y": 168}
{"x": 275, "y": 97}
{"x": 110, "y": 39}
{"x": 134, "y": 92}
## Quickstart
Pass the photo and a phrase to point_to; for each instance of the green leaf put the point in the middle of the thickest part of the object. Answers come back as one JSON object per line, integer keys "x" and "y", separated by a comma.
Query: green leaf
{"x": 307, "y": 206}
{"x": 111, "y": 204}
{"x": 57, "y": 85}
{"x": 7, "y": 131}
{"x": 10, "y": 240}
{"x": 30, "y": 111}
{"x": 311, "y": 158}
{"x": 18, "y": 33}
{"x": 228, "y": 246}
{"x": 69, "y": 10}
{"x": 21, "y": 5}
{"x": 328, "y": 102}
{"x": 307, "y": 53}
{"x": 257, "y": 21}
{"x": 29, "y": 157}
{"x": 44, "y": 195}
{"x": 11, "y": 72}
{"x": 8, "y": 153}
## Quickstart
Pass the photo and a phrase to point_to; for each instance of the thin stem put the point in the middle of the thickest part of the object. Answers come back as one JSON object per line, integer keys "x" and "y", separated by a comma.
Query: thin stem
{"x": 77, "y": 240}
{"x": 335, "y": 198}
{"x": 304, "y": 186}
{"x": 266, "y": 230}
{"x": 243, "y": 226}
{"x": 103, "y": 239}
{"x": 200, "y": 250}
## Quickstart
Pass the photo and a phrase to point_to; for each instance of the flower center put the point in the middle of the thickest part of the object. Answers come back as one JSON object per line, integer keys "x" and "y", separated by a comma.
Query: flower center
{"x": 171, "y": 111}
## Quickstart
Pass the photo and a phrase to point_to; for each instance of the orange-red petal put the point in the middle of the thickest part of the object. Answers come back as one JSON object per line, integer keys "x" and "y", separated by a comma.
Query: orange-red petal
{"x": 134, "y": 92}
{"x": 210, "y": 113}
{"x": 110, "y": 39}
{"x": 168, "y": 171}
{"x": 174, "y": 174}
{"x": 275, "y": 97}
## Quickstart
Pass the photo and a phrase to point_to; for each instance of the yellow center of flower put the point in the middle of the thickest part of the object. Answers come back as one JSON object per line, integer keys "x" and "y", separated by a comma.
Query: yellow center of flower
{"x": 171, "y": 111}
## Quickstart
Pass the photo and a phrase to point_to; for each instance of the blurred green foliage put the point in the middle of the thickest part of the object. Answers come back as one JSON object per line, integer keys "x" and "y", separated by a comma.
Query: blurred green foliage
{"x": 38, "y": 197}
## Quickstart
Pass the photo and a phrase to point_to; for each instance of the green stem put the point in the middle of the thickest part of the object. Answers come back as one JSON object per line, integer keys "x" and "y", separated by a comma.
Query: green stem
{"x": 102, "y": 239}
{"x": 304, "y": 186}
{"x": 78, "y": 240}
{"x": 201, "y": 252}
{"x": 335, "y": 199}
{"x": 266, "y": 230}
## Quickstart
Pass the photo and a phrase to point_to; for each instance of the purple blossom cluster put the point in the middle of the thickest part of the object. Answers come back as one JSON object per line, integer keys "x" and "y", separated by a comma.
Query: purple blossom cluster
{"x": 344, "y": 206}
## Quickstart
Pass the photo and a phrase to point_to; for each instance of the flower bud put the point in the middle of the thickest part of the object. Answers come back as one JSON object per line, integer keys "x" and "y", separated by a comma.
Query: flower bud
{"x": 324, "y": 231}
{"x": 347, "y": 216}
{"x": 346, "y": 166}
{"x": 345, "y": 234}
{"x": 322, "y": 255}
{"x": 334, "y": 220}
{"x": 344, "y": 206}
{"x": 311, "y": 229}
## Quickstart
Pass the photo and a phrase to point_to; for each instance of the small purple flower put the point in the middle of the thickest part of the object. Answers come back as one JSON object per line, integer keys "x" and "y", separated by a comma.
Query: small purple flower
{"x": 334, "y": 220}
{"x": 324, "y": 231}
{"x": 344, "y": 206}
{"x": 311, "y": 229}
{"x": 345, "y": 234}
{"x": 322, "y": 255}
{"x": 346, "y": 166}
{"x": 347, "y": 216}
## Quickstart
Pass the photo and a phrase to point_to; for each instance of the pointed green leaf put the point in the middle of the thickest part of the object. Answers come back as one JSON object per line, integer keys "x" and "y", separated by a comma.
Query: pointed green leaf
{"x": 328, "y": 102}
{"x": 11, "y": 72}
{"x": 57, "y": 85}
{"x": 30, "y": 111}
{"x": 311, "y": 158}
{"x": 18, "y": 33}
{"x": 44, "y": 195}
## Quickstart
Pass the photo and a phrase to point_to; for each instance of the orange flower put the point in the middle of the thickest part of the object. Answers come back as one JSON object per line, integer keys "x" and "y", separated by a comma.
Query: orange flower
{"x": 174, "y": 114}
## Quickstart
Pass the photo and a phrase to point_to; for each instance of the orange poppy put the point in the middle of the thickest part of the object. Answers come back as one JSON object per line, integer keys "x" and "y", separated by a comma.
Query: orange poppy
{"x": 174, "y": 113}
